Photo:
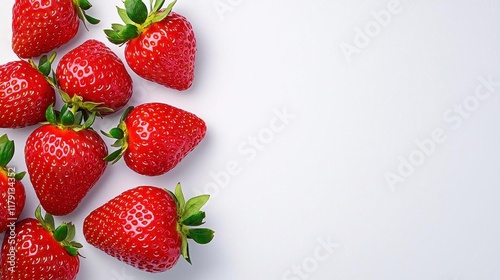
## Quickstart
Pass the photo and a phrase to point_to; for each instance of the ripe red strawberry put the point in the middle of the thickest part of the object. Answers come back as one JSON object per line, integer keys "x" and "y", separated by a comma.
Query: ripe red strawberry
{"x": 36, "y": 249}
{"x": 64, "y": 160}
{"x": 96, "y": 73}
{"x": 39, "y": 27}
{"x": 25, "y": 94}
{"x": 155, "y": 137}
{"x": 12, "y": 193}
{"x": 148, "y": 227}
{"x": 161, "y": 45}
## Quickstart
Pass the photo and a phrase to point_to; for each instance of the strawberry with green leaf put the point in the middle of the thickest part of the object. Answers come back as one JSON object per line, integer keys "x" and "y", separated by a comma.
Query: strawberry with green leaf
{"x": 95, "y": 73}
{"x": 36, "y": 249}
{"x": 12, "y": 192}
{"x": 25, "y": 92}
{"x": 38, "y": 27}
{"x": 65, "y": 159}
{"x": 148, "y": 227}
{"x": 161, "y": 44}
{"x": 154, "y": 137}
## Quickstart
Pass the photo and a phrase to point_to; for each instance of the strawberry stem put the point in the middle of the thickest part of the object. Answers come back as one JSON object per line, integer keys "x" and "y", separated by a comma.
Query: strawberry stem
{"x": 136, "y": 19}
{"x": 64, "y": 233}
{"x": 7, "y": 150}
{"x": 189, "y": 215}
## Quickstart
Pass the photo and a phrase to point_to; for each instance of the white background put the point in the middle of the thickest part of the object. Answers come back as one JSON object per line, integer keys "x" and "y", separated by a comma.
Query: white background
{"x": 320, "y": 176}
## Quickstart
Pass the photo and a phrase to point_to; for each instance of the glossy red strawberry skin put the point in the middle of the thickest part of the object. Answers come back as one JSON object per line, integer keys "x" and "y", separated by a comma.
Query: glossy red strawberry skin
{"x": 138, "y": 227}
{"x": 37, "y": 255}
{"x": 160, "y": 136}
{"x": 39, "y": 27}
{"x": 165, "y": 52}
{"x": 12, "y": 198}
{"x": 63, "y": 165}
{"x": 93, "y": 71}
{"x": 24, "y": 95}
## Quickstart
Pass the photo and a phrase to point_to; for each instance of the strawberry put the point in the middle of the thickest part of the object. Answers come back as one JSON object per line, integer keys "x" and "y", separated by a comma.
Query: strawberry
{"x": 25, "y": 93}
{"x": 155, "y": 137}
{"x": 36, "y": 249}
{"x": 148, "y": 227}
{"x": 64, "y": 160}
{"x": 12, "y": 193}
{"x": 161, "y": 45}
{"x": 39, "y": 27}
{"x": 94, "y": 71}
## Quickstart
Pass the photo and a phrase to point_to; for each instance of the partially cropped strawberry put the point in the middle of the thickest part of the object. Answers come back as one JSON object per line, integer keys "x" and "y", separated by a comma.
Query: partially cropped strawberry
{"x": 39, "y": 27}
{"x": 25, "y": 94}
{"x": 65, "y": 159}
{"x": 12, "y": 193}
{"x": 154, "y": 137}
{"x": 36, "y": 249}
{"x": 96, "y": 73}
{"x": 161, "y": 44}
{"x": 148, "y": 227}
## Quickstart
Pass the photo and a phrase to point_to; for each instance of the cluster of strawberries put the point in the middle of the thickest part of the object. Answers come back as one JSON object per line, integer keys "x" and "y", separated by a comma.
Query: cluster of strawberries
{"x": 146, "y": 227}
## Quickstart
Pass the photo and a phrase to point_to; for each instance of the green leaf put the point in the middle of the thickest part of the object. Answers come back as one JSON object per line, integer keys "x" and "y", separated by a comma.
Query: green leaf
{"x": 6, "y": 150}
{"x": 113, "y": 36}
{"x": 38, "y": 214}
{"x": 158, "y": 5}
{"x": 71, "y": 250}
{"x": 19, "y": 176}
{"x": 126, "y": 113}
{"x": 201, "y": 235}
{"x": 195, "y": 219}
{"x": 129, "y": 32}
{"x": 45, "y": 64}
{"x": 116, "y": 133}
{"x": 194, "y": 205}
{"x": 67, "y": 118}
{"x": 88, "y": 123}
{"x": 76, "y": 244}
{"x": 90, "y": 19}
{"x": 50, "y": 115}
{"x": 124, "y": 16}
{"x": 136, "y": 10}
{"x": 114, "y": 156}
{"x": 61, "y": 232}
{"x": 71, "y": 232}
{"x": 185, "y": 249}
{"x": 49, "y": 221}
{"x": 163, "y": 14}
{"x": 116, "y": 27}
{"x": 118, "y": 143}
{"x": 84, "y": 4}
{"x": 180, "y": 197}
{"x": 78, "y": 117}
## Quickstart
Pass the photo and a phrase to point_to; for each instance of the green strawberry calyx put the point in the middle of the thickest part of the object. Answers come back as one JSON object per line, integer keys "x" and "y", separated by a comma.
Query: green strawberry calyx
{"x": 81, "y": 7}
{"x": 137, "y": 19}
{"x": 119, "y": 133}
{"x": 7, "y": 149}
{"x": 69, "y": 117}
{"x": 64, "y": 233}
{"x": 190, "y": 216}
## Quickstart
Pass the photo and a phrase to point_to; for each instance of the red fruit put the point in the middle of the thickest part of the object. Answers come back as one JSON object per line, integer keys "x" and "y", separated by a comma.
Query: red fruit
{"x": 24, "y": 95}
{"x": 39, "y": 27}
{"x": 94, "y": 72}
{"x": 155, "y": 137}
{"x": 148, "y": 227}
{"x": 35, "y": 249}
{"x": 12, "y": 193}
{"x": 64, "y": 162}
{"x": 162, "y": 49}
